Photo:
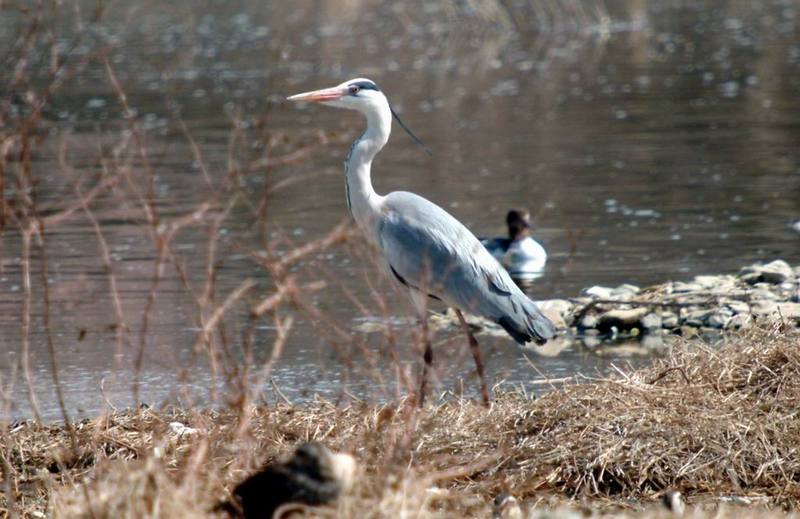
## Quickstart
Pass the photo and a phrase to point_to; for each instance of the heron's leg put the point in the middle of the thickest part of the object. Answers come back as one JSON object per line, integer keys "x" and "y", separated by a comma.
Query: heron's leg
{"x": 427, "y": 356}
{"x": 476, "y": 354}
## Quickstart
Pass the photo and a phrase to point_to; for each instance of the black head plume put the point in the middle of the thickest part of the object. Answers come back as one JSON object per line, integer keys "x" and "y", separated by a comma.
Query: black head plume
{"x": 410, "y": 133}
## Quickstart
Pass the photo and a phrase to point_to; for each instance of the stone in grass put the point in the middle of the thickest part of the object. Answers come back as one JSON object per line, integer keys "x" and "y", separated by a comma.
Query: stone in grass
{"x": 775, "y": 272}
{"x": 738, "y": 307}
{"x": 740, "y": 321}
{"x": 784, "y": 310}
{"x": 312, "y": 476}
{"x": 696, "y": 318}
{"x": 621, "y": 319}
{"x": 719, "y": 319}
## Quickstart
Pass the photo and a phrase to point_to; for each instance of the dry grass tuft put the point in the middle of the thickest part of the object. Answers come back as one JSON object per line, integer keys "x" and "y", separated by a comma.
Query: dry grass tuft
{"x": 710, "y": 423}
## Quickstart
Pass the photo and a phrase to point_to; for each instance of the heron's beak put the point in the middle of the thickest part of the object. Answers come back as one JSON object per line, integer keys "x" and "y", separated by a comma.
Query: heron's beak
{"x": 326, "y": 94}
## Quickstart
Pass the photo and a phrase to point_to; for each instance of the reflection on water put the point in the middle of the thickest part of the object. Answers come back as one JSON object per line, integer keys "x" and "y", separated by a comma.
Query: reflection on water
{"x": 659, "y": 146}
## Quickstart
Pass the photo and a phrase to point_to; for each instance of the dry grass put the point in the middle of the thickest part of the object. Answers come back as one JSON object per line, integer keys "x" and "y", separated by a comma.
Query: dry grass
{"x": 710, "y": 423}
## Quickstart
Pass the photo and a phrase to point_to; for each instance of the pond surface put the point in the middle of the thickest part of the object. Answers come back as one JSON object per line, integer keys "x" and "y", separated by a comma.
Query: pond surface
{"x": 657, "y": 142}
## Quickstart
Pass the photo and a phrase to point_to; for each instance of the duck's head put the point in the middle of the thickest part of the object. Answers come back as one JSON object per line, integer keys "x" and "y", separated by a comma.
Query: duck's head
{"x": 519, "y": 223}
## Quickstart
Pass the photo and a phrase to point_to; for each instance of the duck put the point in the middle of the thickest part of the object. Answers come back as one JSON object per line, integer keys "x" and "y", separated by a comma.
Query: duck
{"x": 520, "y": 254}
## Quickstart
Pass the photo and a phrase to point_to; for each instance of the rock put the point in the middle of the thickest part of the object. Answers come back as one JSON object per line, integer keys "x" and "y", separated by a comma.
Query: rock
{"x": 652, "y": 321}
{"x": 179, "y": 430}
{"x": 738, "y": 307}
{"x": 588, "y": 321}
{"x": 688, "y": 332}
{"x": 681, "y": 287}
{"x": 761, "y": 292}
{"x": 591, "y": 341}
{"x": 669, "y": 320}
{"x": 775, "y": 272}
{"x": 624, "y": 292}
{"x": 716, "y": 284}
{"x": 740, "y": 321}
{"x": 710, "y": 335}
{"x": 719, "y": 318}
{"x": 597, "y": 292}
{"x": 556, "y": 310}
{"x": 621, "y": 319}
{"x": 653, "y": 342}
{"x": 707, "y": 281}
{"x": 763, "y": 307}
{"x": 696, "y": 318}
{"x": 506, "y": 506}
{"x": 771, "y": 308}
{"x": 552, "y": 348}
{"x": 312, "y": 476}
{"x": 562, "y": 306}
{"x": 789, "y": 310}
{"x": 555, "y": 513}
{"x": 673, "y": 501}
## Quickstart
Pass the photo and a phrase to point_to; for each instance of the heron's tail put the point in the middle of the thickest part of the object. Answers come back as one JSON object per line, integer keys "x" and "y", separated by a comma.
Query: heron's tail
{"x": 528, "y": 323}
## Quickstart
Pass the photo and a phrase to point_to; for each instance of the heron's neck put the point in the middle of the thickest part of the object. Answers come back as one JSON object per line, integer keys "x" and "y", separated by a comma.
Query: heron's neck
{"x": 363, "y": 201}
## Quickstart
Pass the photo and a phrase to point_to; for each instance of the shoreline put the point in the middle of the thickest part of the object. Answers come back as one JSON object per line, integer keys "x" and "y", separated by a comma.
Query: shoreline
{"x": 719, "y": 426}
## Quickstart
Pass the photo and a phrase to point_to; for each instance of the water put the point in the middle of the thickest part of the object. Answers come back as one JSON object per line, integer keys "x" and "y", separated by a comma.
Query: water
{"x": 659, "y": 146}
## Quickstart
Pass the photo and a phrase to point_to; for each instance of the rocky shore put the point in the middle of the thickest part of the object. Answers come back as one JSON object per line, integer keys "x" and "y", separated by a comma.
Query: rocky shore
{"x": 707, "y": 303}
{"x": 706, "y": 306}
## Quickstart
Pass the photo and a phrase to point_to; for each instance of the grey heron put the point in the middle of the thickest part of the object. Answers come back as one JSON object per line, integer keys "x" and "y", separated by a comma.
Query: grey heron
{"x": 520, "y": 254}
{"x": 421, "y": 245}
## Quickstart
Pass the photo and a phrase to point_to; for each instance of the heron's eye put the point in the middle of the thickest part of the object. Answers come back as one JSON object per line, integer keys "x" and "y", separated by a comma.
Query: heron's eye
{"x": 354, "y": 89}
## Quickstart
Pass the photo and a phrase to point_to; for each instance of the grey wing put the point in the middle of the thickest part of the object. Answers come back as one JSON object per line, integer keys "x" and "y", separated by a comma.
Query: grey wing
{"x": 430, "y": 251}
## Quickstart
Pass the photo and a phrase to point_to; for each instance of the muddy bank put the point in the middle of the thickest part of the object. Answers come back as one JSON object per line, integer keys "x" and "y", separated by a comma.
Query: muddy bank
{"x": 720, "y": 426}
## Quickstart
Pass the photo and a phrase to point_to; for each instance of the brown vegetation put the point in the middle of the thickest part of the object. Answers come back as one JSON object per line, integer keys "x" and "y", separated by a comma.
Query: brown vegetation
{"x": 710, "y": 423}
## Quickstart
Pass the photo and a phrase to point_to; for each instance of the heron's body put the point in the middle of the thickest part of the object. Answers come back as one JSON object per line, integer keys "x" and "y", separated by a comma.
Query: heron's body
{"x": 431, "y": 252}
{"x": 423, "y": 247}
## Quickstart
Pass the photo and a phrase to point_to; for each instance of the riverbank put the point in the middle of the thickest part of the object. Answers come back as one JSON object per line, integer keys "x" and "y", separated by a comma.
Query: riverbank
{"x": 719, "y": 425}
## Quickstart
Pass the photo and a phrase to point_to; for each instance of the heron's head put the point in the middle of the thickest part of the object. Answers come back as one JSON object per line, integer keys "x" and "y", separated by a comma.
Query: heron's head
{"x": 356, "y": 94}
{"x": 359, "y": 94}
